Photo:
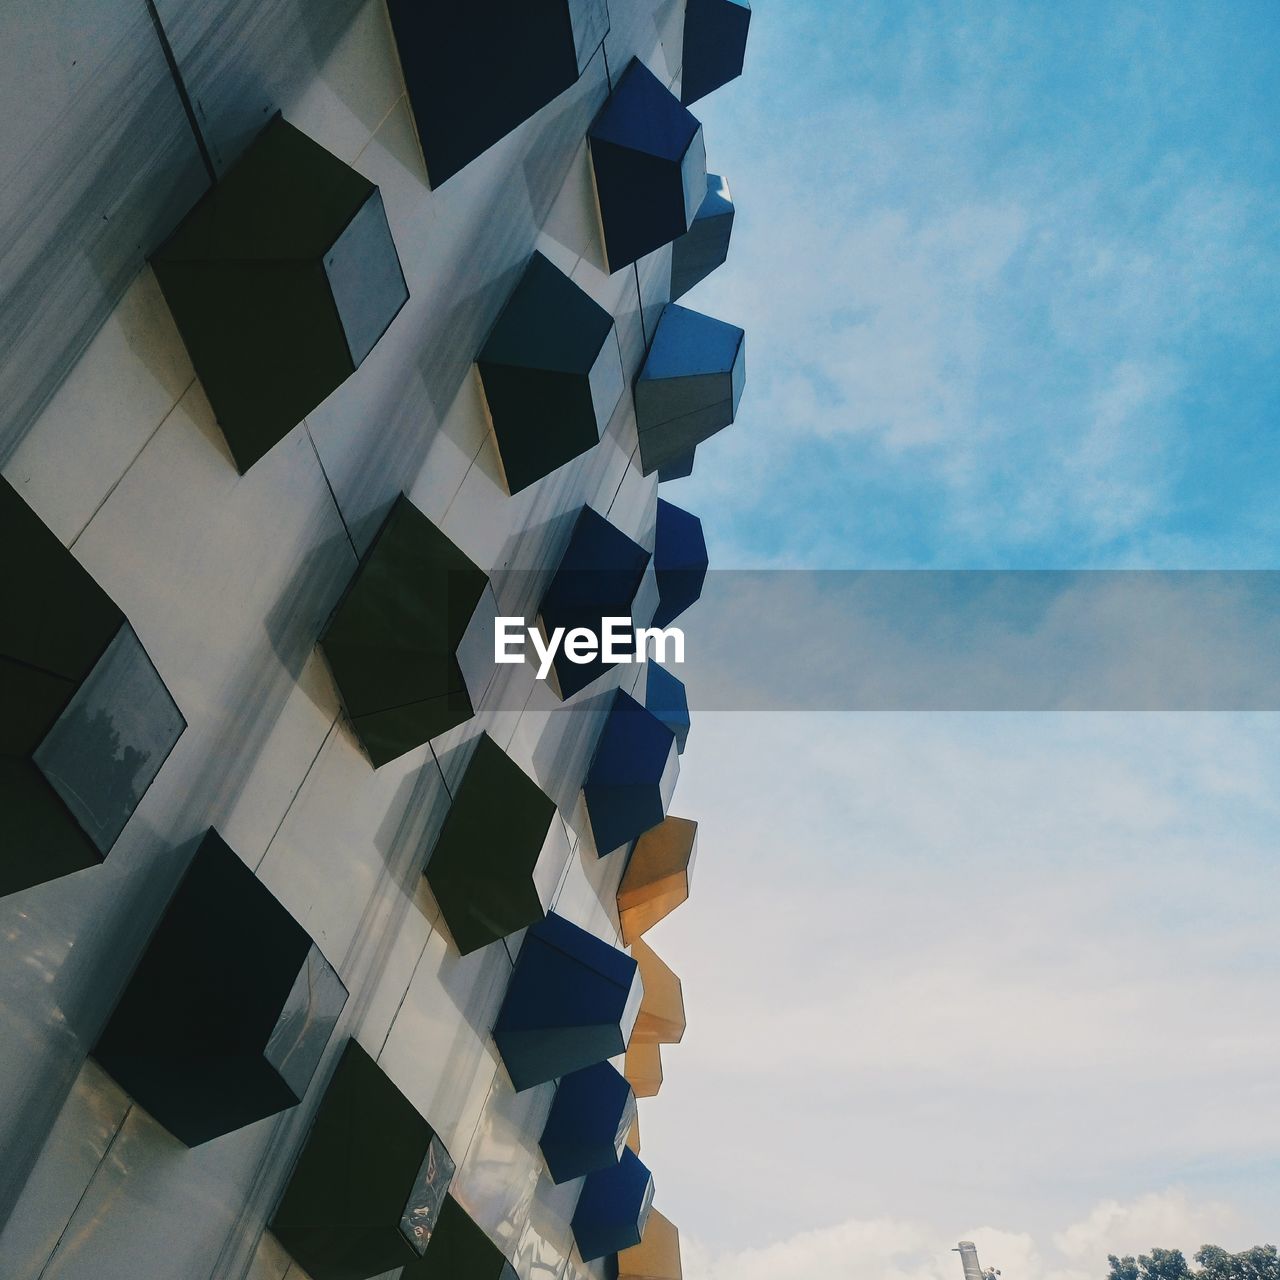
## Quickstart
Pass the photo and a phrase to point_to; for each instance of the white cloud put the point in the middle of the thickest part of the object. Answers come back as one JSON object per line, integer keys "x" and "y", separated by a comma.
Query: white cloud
{"x": 887, "y": 1249}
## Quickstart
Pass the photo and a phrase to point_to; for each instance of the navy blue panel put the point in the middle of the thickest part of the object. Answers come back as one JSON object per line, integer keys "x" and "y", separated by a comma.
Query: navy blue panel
{"x": 679, "y": 561}
{"x": 650, "y": 166}
{"x": 665, "y": 697}
{"x": 476, "y": 71}
{"x": 613, "y": 1208}
{"x": 588, "y": 1124}
{"x": 571, "y": 1002}
{"x": 705, "y": 246}
{"x": 689, "y": 387}
{"x": 597, "y": 578}
{"x": 196, "y": 1033}
{"x": 537, "y": 369}
{"x": 715, "y": 41}
{"x": 631, "y": 776}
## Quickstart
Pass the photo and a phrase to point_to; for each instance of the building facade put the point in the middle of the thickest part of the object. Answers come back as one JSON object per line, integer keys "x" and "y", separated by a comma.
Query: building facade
{"x": 332, "y": 331}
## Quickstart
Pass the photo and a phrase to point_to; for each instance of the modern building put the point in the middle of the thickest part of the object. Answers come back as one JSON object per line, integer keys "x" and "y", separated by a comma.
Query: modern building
{"x": 321, "y": 328}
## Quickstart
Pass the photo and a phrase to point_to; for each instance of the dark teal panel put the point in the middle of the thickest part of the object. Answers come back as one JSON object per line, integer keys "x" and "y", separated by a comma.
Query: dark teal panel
{"x": 715, "y": 43}
{"x": 481, "y": 868}
{"x": 552, "y": 374}
{"x": 225, "y": 1018}
{"x": 371, "y": 1183}
{"x": 280, "y": 279}
{"x": 392, "y": 641}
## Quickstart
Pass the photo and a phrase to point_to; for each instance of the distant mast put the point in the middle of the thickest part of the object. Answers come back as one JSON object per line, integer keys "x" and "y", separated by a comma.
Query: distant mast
{"x": 968, "y": 1252}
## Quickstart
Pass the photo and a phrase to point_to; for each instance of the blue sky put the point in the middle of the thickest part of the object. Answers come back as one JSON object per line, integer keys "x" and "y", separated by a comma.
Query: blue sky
{"x": 1009, "y": 275}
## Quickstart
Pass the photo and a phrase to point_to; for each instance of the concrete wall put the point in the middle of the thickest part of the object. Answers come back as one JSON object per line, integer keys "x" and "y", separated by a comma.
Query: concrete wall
{"x": 227, "y": 580}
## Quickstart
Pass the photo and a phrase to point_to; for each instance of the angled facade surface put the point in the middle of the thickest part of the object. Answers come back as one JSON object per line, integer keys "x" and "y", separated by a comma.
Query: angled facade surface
{"x": 657, "y": 876}
{"x": 321, "y": 360}
{"x": 632, "y": 775}
{"x": 657, "y": 1256}
{"x": 368, "y": 1189}
{"x": 613, "y": 1208}
{"x": 281, "y": 280}
{"x": 661, "y": 1016}
{"x": 475, "y": 72}
{"x": 679, "y": 561}
{"x": 572, "y": 1002}
{"x": 88, "y": 721}
{"x": 643, "y": 1068}
{"x": 598, "y": 577}
{"x": 392, "y": 643}
{"x": 552, "y": 374}
{"x": 589, "y": 1122}
{"x": 704, "y": 248}
{"x": 650, "y": 166}
{"x": 665, "y": 697}
{"x": 690, "y": 385}
{"x": 482, "y": 867}
{"x": 715, "y": 43}
{"x": 226, "y": 1017}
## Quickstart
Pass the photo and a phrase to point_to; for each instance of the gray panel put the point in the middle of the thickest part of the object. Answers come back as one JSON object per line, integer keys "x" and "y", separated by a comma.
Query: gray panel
{"x": 106, "y": 748}
{"x": 364, "y": 274}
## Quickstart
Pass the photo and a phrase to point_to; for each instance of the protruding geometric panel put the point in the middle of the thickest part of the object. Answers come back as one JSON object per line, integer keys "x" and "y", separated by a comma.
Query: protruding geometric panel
{"x": 613, "y": 1208}
{"x": 481, "y": 868}
{"x": 657, "y": 877}
{"x": 281, "y": 279}
{"x": 705, "y": 246}
{"x": 690, "y": 385}
{"x": 597, "y": 578}
{"x": 665, "y": 696}
{"x": 392, "y": 643}
{"x": 656, "y": 1257}
{"x": 552, "y": 374}
{"x": 679, "y": 561}
{"x": 633, "y": 1138}
{"x": 677, "y": 468}
{"x": 715, "y": 42}
{"x": 650, "y": 166}
{"x": 229, "y": 1010}
{"x": 661, "y": 1017}
{"x": 632, "y": 774}
{"x": 459, "y": 1250}
{"x": 86, "y": 721}
{"x": 643, "y": 1068}
{"x": 571, "y": 1002}
{"x": 474, "y": 71}
{"x": 593, "y": 1112}
{"x": 370, "y": 1184}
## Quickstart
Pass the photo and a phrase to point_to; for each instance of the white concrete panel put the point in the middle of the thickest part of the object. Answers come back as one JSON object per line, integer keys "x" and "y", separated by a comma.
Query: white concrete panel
{"x": 129, "y": 378}
{"x": 439, "y": 1053}
{"x": 270, "y": 559}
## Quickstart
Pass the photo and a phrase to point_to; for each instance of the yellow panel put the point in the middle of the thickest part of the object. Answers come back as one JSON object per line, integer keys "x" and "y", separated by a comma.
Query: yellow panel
{"x": 657, "y": 876}
{"x": 661, "y": 1017}
{"x": 643, "y": 1068}
{"x": 657, "y": 1256}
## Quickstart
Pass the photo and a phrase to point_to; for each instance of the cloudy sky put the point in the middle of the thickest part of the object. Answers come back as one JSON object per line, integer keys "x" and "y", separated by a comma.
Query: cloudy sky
{"x": 1009, "y": 274}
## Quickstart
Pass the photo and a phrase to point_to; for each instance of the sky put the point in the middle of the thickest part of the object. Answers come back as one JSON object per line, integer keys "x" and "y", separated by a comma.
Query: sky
{"x": 1009, "y": 275}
